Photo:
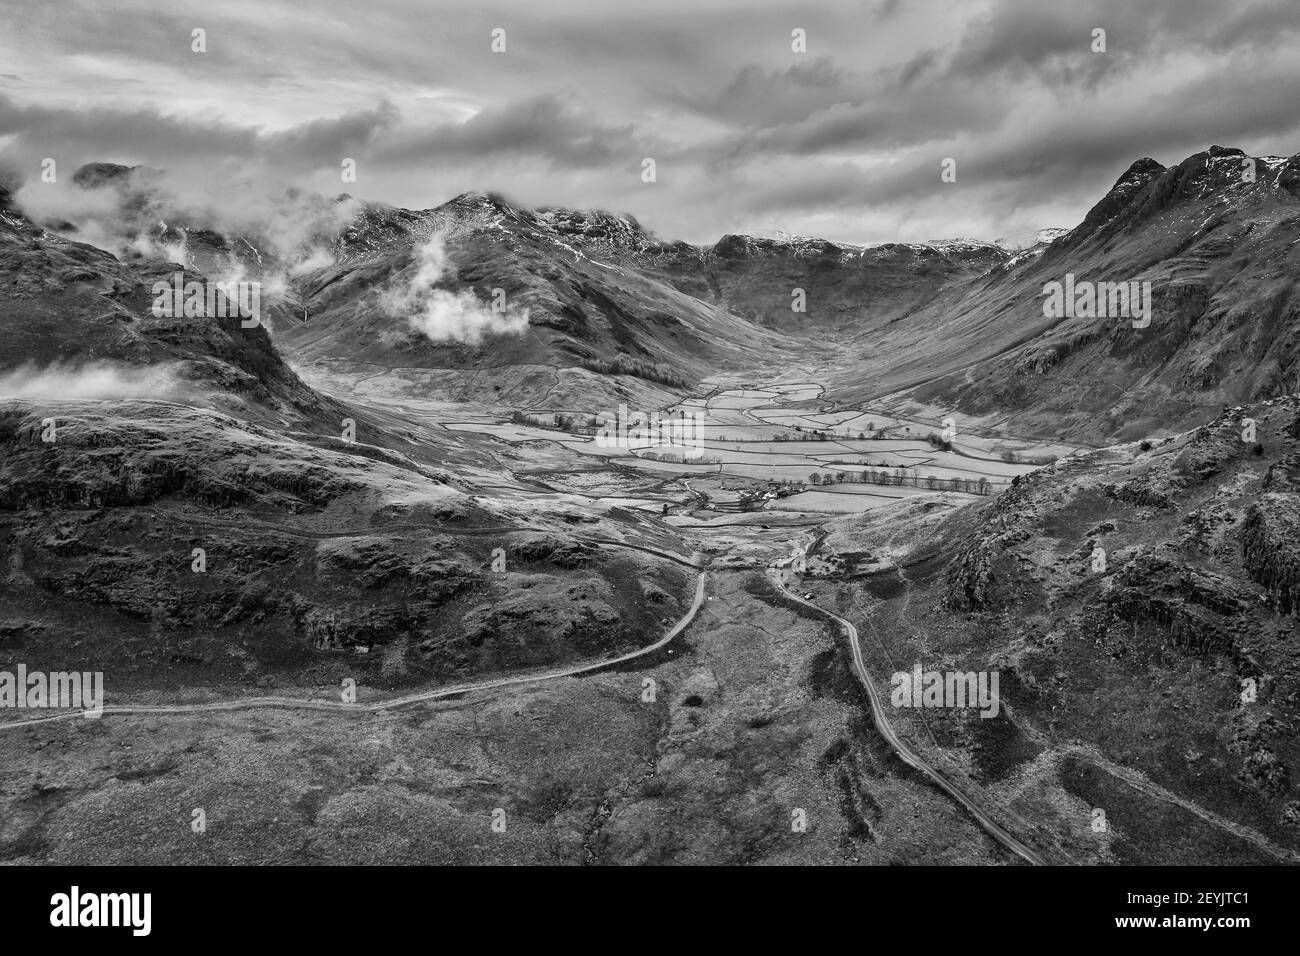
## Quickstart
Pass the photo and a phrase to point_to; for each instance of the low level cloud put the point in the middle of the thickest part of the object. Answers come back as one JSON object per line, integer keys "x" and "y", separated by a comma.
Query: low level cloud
{"x": 99, "y": 381}
{"x": 444, "y": 315}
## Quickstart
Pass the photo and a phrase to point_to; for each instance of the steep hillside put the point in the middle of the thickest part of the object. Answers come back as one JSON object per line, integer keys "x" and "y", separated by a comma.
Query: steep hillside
{"x": 553, "y": 288}
{"x": 166, "y": 546}
{"x": 1221, "y": 256}
{"x": 178, "y": 507}
{"x": 65, "y": 304}
{"x": 1140, "y": 605}
{"x": 558, "y": 306}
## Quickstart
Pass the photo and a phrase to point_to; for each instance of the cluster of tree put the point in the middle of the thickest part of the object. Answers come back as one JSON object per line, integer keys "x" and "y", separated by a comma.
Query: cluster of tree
{"x": 900, "y": 476}
{"x": 519, "y": 418}
{"x": 568, "y": 423}
{"x": 938, "y": 441}
{"x": 677, "y": 458}
{"x": 1020, "y": 458}
{"x": 823, "y": 434}
{"x": 574, "y": 423}
{"x": 624, "y": 364}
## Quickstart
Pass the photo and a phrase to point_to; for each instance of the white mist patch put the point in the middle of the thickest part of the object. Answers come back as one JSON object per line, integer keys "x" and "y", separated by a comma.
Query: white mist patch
{"x": 100, "y": 219}
{"x": 317, "y": 258}
{"x": 275, "y": 232}
{"x": 100, "y": 380}
{"x": 62, "y": 200}
{"x": 150, "y": 248}
{"x": 442, "y": 315}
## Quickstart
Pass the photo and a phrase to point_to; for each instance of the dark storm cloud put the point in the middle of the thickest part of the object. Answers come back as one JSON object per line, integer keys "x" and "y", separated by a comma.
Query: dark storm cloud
{"x": 1053, "y": 41}
{"x": 844, "y": 140}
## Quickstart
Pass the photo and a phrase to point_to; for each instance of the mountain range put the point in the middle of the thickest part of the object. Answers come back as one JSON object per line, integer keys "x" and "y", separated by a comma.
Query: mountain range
{"x": 393, "y": 477}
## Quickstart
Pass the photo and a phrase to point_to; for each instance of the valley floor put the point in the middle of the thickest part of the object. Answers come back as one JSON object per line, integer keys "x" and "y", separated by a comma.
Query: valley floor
{"x": 738, "y": 735}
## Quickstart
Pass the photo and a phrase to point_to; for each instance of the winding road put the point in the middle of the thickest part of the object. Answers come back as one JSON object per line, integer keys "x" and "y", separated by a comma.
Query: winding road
{"x": 909, "y": 756}
{"x": 292, "y": 703}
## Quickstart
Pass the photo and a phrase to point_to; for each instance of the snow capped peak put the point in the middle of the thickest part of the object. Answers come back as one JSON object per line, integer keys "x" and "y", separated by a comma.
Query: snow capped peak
{"x": 959, "y": 244}
{"x": 1027, "y": 240}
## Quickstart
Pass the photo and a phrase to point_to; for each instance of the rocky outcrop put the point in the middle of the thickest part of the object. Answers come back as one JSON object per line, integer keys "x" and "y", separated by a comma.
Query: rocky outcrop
{"x": 1270, "y": 548}
{"x": 1192, "y": 608}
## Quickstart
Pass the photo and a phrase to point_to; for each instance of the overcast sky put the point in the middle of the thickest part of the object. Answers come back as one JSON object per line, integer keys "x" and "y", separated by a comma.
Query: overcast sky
{"x": 843, "y": 141}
